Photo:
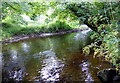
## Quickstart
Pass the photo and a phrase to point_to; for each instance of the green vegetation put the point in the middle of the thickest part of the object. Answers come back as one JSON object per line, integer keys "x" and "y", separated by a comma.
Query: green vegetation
{"x": 33, "y": 18}
{"x": 101, "y": 17}
{"x": 106, "y": 44}
{"x": 104, "y": 21}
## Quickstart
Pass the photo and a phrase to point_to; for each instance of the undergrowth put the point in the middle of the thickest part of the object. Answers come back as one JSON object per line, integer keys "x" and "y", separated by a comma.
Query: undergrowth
{"x": 106, "y": 44}
{"x": 10, "y": 29}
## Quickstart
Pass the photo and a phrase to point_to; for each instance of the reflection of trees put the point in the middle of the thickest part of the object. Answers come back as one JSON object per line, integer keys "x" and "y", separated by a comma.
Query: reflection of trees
{"x": 82, "y": 38}
{"x": 72, "y": 70}
{"x": 59, "y": 44}
{"x": 64, "y": 45}
{"x": 76, "y": 68}
{"x": 48, "y": 51}
{"x": 14, "y": 70}
{"x": 40, "y": 44}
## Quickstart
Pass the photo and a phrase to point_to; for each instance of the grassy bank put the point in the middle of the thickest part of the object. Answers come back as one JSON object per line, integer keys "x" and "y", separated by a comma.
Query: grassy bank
{"x": 12, "y": 29}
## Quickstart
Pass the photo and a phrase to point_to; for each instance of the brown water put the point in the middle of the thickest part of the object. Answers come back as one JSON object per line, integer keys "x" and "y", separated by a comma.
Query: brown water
{"x": 56, "y": 58}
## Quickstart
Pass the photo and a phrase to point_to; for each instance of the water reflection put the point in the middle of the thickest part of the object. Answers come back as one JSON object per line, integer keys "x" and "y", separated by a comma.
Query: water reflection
{"x": 51, "y": 67}
{"x": 83, "y": 35}
{"x": 85, "y": 68}
{"x": 1, "y": 65}
{"x": 25, "y": 47}
{"x": 13, "y": 54}
{"x": 16, "y": 74}
{"x": 13, "y": 72}
{"x": 57, "y": 58}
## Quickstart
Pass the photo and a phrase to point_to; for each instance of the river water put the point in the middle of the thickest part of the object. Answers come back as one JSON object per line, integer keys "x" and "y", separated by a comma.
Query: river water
{"x": 56, "y": 58}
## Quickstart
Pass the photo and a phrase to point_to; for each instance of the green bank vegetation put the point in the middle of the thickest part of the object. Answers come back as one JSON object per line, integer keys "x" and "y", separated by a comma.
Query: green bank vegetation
{"x": 20, "y": 18}
{"x": 33, "y": 17}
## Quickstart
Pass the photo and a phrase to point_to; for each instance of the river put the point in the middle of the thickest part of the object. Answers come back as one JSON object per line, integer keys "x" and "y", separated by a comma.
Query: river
{"x": 56, "y": 58}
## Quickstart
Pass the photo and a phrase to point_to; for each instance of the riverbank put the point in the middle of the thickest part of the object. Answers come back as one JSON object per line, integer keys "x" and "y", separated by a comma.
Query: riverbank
{"x": 23, "y": 37}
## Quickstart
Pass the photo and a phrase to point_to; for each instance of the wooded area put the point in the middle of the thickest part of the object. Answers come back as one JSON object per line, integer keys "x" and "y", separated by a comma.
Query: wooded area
{"x": 25, "y": 18}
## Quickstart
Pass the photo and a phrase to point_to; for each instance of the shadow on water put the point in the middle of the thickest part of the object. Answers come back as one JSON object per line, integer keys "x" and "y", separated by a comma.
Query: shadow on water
{"x": 56, "y": 58}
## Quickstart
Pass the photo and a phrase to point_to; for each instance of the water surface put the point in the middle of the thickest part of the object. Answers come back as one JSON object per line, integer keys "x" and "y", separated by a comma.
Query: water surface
{"x": 57, "y": 58}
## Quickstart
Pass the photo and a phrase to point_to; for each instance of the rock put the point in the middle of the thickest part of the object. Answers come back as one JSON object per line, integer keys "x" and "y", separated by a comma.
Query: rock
{"x": 108, "y": 75}
{"x": 116, "y": 78}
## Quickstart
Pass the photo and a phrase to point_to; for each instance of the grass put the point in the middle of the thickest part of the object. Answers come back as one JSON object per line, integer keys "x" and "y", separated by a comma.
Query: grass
{"x": 10, "y": 29}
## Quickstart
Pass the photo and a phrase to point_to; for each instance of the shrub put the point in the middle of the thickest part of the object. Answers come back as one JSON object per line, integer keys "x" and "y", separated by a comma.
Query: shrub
{"x": 58, "y": 26}
{"x": 6, "y": 25}
{"x": 109, "y": 48}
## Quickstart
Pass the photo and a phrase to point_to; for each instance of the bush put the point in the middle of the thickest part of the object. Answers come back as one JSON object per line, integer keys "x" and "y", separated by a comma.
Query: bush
{"x": 6, "y": 25}
{"x": 58, "y": 26}
{"x": 109, "y": 48}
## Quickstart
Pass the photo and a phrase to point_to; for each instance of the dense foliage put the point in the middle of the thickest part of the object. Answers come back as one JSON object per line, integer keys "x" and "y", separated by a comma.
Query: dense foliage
{"x": 34, "y": 17}
{"x": 101, "y": 17}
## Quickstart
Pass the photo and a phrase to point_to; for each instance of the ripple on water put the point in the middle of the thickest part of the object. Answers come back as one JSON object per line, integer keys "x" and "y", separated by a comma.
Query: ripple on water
{"x": 56, "y": 58}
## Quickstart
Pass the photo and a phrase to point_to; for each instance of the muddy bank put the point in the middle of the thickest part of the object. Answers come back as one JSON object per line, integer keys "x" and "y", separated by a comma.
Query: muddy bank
{"x": 23, "y": 37}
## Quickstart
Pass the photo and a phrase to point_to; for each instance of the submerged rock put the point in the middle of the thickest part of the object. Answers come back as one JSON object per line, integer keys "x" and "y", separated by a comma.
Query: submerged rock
{"x": 117, "y": 78}
{"x": 108, "y": 75}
